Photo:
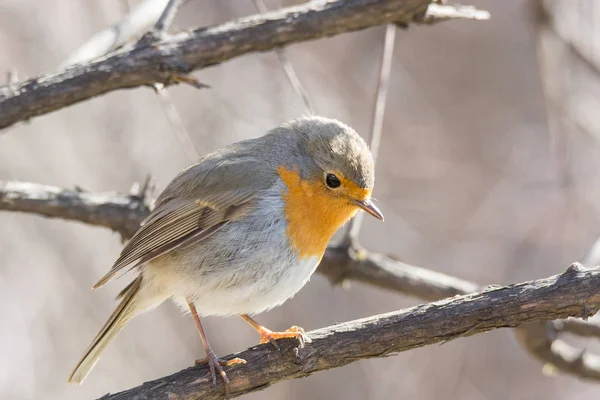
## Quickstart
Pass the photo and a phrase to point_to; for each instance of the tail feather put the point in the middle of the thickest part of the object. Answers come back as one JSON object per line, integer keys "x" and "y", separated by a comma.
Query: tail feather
{"x": 122, "y": 314}
{"x": 126, "y": 290}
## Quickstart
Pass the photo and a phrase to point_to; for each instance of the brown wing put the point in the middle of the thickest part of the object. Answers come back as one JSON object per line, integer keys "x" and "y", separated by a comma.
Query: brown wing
{"x": 178, "y": 223}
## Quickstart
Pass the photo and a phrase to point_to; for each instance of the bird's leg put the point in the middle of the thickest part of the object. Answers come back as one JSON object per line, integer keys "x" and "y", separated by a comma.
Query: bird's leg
{"x": 266, "y": 335}
{"x": 211, "y": 358}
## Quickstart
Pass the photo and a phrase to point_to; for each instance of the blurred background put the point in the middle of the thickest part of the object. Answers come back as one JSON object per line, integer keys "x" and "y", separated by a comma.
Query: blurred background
{"x": 487, "y": 172}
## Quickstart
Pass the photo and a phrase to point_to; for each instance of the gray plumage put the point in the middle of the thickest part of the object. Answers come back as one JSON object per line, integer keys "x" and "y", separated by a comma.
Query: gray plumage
{"x": 217, "y": 234}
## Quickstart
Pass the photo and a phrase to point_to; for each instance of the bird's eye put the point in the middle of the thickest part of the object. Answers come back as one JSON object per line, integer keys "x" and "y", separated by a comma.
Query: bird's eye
{"x": 332, "y": 181}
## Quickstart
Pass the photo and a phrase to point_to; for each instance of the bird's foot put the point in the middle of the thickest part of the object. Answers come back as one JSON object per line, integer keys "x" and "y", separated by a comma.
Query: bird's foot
{"x": 216, "y": 365}
{"x": 268, "y": 336}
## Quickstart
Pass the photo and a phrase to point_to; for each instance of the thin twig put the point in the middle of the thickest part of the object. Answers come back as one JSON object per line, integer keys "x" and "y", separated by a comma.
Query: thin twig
{"x": 387, "y": 57}
{"x": 166, "y": 18}
{"x": 294, "y": 80}
{"x": 579, "y": 327}
{"x": 177, "y": 125}
{"x": 12, "y": 77}
{"x": 289, "y": 70}
{"x": 382, "y": 89}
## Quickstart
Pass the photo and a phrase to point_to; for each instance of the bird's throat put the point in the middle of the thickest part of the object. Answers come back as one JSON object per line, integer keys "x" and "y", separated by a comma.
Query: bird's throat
{"x": 313, "y": 214}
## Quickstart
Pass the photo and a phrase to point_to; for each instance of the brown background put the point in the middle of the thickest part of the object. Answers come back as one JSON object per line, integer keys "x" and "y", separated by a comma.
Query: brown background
{"x": 467, "y": 179}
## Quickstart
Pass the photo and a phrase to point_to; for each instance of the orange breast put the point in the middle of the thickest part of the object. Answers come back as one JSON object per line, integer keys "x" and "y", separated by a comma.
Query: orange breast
{"x": 314, "y": 213}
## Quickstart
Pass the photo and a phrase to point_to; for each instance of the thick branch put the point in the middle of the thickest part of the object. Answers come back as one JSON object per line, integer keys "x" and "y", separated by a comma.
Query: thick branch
{"x": 168, "y": 61}
{"x": 573, "y": 293}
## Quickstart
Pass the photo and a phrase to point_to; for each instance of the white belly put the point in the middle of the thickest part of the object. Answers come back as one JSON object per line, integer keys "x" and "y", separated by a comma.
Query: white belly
{"x": 260, "y": 296}
{"x": 278, "y": 282}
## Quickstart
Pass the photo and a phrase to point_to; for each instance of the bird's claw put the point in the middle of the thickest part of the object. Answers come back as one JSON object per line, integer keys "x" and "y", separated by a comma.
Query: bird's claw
{"x": 216, "y": 365}
{"x": 294, "y": 332}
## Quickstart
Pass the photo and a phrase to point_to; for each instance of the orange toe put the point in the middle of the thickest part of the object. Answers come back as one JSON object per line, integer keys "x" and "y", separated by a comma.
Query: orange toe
{"x": 234, "y": 361}
{"x": 223, "y": 363}
{"x": 294, "y": 332}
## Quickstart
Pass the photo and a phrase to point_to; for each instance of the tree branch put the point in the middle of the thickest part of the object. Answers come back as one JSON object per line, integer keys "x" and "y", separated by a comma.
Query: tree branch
{"x": 169, "y": 61}
{"x": 341, "y": 263}
{"x": 136, "y": 23}
{"x": 540, "y": 340}
{"x": 573, "y": 293}
{"x": 578, "y": 327}
{"x": 121, "y": 213}
{"x": 167, "y": 16}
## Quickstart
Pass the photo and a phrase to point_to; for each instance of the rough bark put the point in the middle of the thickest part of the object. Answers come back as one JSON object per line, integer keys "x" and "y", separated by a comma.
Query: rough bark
{"x": 121, "y": 213}
{"x": 166, "y": 60}
{"x": 573, "y": 293}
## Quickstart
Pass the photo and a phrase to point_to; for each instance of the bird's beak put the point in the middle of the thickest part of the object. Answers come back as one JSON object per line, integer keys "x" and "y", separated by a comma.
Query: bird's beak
{"x": 368, "y": 207}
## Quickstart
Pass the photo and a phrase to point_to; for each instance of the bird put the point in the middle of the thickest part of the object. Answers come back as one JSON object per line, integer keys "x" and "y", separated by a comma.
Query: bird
{"x": 242, "y": 230}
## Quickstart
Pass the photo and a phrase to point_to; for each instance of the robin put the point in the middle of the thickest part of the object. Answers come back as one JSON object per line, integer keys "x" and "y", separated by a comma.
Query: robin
{"x": 243, "y": 230}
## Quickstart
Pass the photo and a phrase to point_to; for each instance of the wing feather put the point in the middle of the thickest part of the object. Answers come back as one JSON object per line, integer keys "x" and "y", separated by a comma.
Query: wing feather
{"x": 177, "y": 223}
{"x": 203, "y": 198}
